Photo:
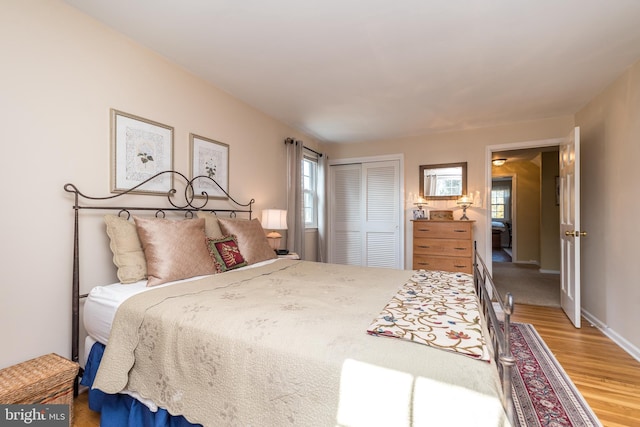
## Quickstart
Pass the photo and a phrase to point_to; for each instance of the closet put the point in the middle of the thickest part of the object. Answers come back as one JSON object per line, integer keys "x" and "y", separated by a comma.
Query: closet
{"x": 365, "y": 214}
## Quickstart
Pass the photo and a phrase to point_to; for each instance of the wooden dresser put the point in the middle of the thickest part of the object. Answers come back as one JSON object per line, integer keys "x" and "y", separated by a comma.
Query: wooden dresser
{"x": 443, "y": 245}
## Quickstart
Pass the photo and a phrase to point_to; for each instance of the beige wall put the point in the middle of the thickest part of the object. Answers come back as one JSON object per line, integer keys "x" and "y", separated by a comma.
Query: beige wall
{"x": 526, "y": 214}
{"x": 610, "y": 135}
{"x": 61, "y": 73}
{"x": 465, "y": 146}
{"x": 549, "y": 214}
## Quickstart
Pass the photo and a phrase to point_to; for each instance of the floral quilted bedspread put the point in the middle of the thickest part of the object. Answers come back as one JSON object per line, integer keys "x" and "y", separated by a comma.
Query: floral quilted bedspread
{"x": 438, "y": 309}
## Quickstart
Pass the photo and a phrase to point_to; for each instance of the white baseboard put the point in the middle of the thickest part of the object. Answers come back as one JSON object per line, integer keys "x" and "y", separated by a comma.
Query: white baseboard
{"x": 615, "y": 337}
{"x": 530, "y": 262}
{"x": 549, "y": 271}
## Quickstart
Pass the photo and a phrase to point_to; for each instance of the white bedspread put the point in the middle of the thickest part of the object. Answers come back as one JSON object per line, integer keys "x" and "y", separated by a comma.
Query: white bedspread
{"x": 103, "y": 301}
{"x": 286, "y": 344}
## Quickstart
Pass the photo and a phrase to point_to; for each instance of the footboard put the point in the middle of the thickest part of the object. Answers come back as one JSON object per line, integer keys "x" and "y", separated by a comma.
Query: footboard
{"x": 499, "y": 333}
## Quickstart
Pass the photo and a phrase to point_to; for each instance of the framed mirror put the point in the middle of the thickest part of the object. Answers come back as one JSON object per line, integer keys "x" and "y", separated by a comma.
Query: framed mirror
{"x": 447, "y": 181}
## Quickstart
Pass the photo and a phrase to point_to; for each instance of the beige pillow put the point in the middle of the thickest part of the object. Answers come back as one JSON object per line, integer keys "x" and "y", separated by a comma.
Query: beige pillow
{"x": 128, "y": 255}
{"x": 252, "y": 240}
{"x": 174, "y": 250}
{"x": 211, "y": 226}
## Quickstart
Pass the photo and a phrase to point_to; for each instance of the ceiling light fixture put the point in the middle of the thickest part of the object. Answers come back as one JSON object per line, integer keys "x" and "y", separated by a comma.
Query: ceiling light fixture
{"x": 498, "y": 162}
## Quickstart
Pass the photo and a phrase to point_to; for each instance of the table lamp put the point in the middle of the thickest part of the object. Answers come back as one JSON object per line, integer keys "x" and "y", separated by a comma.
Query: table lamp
{"x": 274, "y": 219}
{"x": 464, "y": 202}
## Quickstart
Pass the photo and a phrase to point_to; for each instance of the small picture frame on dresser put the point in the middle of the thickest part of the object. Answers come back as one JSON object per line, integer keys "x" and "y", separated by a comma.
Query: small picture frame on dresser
{"x": 419, "y": 214}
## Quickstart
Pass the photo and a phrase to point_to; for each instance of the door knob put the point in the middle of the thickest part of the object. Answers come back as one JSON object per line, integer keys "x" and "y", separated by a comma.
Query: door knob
{"x": 576, "y": 233}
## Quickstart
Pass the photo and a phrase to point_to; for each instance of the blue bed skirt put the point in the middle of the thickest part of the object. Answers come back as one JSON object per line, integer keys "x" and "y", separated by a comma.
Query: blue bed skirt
{"x": 121, "y": 410}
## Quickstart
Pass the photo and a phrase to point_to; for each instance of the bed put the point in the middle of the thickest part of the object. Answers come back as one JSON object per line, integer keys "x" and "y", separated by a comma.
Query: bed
{"x": 285, "y": 342}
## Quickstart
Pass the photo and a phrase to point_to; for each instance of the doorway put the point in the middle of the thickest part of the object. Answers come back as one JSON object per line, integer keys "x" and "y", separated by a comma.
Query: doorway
{"x": 502, "y": 217}
{"x": 524, "y": 225}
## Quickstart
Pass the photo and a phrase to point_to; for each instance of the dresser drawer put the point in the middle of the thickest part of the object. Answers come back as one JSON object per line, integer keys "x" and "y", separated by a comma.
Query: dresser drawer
{"x": 423, "y": 262}
{"x": 443, "y": 247}
{"x": 461, "y": 230}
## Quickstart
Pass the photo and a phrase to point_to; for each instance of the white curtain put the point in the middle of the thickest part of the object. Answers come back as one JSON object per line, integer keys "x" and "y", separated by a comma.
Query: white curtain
{"x": 295, "y": 202}
{"x": 323, "y": 231}
{"x": 430, "y": 185}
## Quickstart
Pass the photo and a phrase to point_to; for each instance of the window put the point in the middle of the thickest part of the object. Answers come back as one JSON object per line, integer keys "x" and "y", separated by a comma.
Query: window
{"x": 310, "y": 198}
{"x": 499, "y": 200}
{"x": 448, "y": 184}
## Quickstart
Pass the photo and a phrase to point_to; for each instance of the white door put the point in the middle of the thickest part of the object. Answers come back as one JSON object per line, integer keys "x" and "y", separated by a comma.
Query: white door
{"x": 364, "y": 219}
{"x": 570, "y": 233}
{"x": 345, "y": 213}
{"x": 381, "y": 219}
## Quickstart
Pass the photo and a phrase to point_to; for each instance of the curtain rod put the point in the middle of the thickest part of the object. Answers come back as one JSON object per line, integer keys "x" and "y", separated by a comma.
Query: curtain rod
{"x": 293, "y": 141}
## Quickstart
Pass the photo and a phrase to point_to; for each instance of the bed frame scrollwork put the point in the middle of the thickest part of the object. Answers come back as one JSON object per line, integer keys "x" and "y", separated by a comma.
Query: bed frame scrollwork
{"x": 499, "y": 329}
{"x": 188, "y": 204}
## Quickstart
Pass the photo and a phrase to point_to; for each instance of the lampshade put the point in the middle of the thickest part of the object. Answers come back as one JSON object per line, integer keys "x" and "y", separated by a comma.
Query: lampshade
{"x": 465, "y": 200}
{"x": 274, "y": 219}
{"x": 420, "y": 202}
{"x": 498, "y": 162}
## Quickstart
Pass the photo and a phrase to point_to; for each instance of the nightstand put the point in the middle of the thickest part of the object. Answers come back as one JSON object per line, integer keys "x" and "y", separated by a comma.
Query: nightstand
{"x": 290, "y": 255}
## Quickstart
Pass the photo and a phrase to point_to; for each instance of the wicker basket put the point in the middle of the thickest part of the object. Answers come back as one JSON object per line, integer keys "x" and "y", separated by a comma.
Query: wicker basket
{"x": 45, "y": 379}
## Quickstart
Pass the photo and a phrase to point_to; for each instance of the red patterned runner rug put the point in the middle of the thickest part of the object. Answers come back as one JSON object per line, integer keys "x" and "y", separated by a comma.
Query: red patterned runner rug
{"x": 543, "y": 394}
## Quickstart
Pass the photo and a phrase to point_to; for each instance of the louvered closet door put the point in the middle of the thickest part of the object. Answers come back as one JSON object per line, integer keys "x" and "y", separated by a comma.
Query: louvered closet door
{"x": 345, "y": 199}
{"x": 381, "y": 212}
{"x": 365, "y": 214}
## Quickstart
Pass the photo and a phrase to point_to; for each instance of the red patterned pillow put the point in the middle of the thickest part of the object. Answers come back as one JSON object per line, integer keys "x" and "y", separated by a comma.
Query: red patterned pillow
{"x": 225, "y": 253}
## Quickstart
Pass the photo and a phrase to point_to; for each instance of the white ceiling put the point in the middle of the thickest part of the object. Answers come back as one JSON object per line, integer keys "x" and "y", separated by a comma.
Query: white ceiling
{"x": 362, "y": 70}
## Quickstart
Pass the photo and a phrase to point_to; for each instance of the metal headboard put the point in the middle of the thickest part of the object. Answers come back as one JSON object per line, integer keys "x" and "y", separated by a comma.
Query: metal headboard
{"x": 190, "y": 203}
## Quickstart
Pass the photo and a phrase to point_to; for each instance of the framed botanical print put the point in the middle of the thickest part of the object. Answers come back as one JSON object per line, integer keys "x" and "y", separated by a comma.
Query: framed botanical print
{"x": 211, "y": 159}
{"x": 140, "y": 149}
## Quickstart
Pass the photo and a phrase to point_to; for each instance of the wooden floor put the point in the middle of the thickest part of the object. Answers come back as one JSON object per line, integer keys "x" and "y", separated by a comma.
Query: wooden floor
{"x": 607, "y": 376}
{"x": 82, "y": 415}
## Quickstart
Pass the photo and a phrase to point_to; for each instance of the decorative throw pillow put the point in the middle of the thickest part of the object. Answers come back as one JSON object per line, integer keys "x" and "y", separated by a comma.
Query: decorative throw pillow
{"x": 211, "y": 226}
{"x": 174, "y": 250}
{"x": 128, "y": 255}
{"x": 225, "y": 253}
{"x": 252, "y": 240}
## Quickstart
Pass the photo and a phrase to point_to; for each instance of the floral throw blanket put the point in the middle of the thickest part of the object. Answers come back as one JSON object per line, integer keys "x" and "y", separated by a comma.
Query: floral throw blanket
{"x": 438, "y": 309}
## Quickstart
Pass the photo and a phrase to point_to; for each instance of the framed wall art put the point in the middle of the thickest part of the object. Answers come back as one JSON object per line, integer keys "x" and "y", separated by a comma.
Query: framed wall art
{"x": 209, "y": 158}
{"x": 140, "y": 149}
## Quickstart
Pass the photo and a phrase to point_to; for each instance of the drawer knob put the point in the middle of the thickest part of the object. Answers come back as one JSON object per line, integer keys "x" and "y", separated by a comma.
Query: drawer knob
{"x": 424, "y": 247}
{"x": 460, "y": 249}
{"x": 424, "y": 229}
{"x": 459, "y": 231}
